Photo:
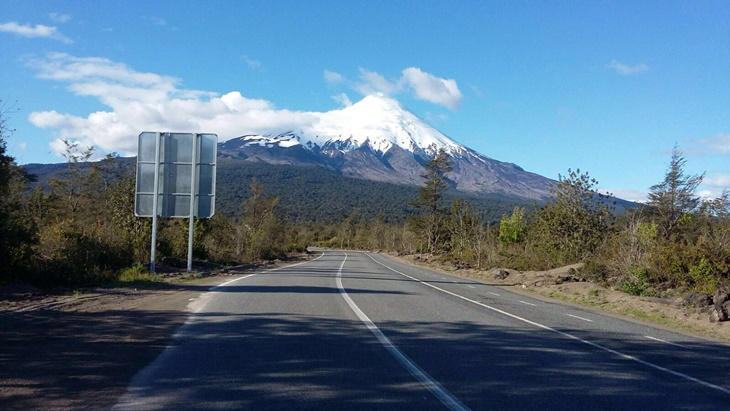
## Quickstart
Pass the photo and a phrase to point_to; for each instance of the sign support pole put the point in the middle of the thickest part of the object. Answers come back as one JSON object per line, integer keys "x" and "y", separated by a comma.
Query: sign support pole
{"x": 191, "y": 220}
{"x": 153, "y": 247}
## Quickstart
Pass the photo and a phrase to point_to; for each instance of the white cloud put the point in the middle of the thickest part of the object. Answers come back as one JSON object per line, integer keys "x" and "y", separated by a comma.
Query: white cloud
{"x": 423, "y": 85}
{"x": 37, "y": 31}
{"x": 147, "y": 101}
{"x": 138, "y": 101}
{"x": 714, "y": 185}
{"x": 431, "y": 88}
{"x": 626, "y": 69}
{"x": 333, "y": 77}
{"x": 372, "y": 82}
{"x": 59, "y": 17}
{"x": 253, "y": 64}
{"x": 342, "y": 99}
{"x": 21, "y": 146}
{"x": 718, "y": 181}
{"x": 720, "y": 144}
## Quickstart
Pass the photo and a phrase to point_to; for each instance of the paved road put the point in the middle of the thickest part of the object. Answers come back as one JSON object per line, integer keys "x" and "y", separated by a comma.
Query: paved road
{"x": 353, "y": 330}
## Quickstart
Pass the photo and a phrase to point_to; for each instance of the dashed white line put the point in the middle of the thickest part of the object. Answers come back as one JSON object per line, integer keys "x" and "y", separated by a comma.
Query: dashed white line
{"x": 493, "y": 293}
{"x": 568, "y": 335}
{"x": 471, "y": 286}
{"x": 666, "y": 342}
{"x": 579, "y": 317}
{"x": 432, "y": 385}
{"x": 525, "y": 302}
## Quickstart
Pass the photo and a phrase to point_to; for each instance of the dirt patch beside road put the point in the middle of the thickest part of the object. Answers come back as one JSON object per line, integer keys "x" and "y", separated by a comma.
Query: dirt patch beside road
{"x": 81, "y": 351}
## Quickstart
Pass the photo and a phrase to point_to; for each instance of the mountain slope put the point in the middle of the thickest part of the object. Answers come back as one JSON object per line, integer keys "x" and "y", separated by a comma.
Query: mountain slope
{"x": 377, "y": 139}
{"x": 308, "y": 193}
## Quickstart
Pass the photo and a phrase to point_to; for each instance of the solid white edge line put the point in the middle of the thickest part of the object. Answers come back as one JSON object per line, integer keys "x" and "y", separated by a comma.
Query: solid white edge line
{"x": 568, "y": 335}
{"x": 579, "y": 317}
{"x": 262, "y": 272}
{"x": 666, "y": 342}
{"x": 446, "y": 398}
{"x": 123, "y": 402}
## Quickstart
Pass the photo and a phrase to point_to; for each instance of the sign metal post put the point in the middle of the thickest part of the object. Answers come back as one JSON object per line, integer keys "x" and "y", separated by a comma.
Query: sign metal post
{"x": 153, "y": 247}
{"x": 163, "y": 163}
{"x": 193, "y": 183}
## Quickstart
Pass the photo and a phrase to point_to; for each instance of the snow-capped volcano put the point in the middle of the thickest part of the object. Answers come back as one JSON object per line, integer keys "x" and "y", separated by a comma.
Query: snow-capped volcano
{"x": 377, "y": 139}
{"x": 377, "y": 121}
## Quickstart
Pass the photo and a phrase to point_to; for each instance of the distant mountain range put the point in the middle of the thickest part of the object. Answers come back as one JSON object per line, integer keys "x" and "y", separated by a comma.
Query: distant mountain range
{"x": 377, "y": 139}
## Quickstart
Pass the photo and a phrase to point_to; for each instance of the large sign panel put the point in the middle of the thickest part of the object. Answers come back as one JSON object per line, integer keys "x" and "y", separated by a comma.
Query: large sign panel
{"x": 186, "y": 164}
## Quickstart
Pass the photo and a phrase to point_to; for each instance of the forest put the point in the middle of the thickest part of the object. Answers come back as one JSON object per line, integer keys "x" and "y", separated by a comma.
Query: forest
{"x": 73, "y": 224}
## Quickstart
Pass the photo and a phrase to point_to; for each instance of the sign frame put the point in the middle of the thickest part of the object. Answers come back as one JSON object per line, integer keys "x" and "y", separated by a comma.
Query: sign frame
{"x": 201, "y": 145}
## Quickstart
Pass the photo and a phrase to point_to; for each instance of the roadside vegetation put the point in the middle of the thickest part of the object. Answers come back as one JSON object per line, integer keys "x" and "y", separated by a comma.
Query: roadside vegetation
{"x": 80, "y": 229}
{"x": 676, "y": 242}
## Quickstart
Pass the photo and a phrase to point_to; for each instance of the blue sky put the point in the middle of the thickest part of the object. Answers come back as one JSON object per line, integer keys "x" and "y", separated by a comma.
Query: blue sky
{"x": 607, "y": 87}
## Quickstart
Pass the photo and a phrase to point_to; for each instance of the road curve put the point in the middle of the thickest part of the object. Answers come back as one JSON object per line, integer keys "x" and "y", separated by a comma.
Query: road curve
{"x": 352, "y": 330}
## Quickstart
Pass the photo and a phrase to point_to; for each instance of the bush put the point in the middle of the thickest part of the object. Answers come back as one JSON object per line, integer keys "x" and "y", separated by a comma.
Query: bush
{"x": 704, "y": 276}
{"x": 137, "y": 274}
{"x": 637, "y": 283}
{"x": 513, "y": 229}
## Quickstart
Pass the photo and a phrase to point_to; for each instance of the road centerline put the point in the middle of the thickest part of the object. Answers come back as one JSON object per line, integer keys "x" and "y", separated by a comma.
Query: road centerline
{"x": 446, "y": 398}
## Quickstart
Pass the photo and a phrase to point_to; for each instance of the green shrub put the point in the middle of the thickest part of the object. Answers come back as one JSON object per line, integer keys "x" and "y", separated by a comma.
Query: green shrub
{"x": 637, "y": 283}
{"x": 513, "y": 229}
{"x": 704, "y": 277}
{"x": 137, "y": 274}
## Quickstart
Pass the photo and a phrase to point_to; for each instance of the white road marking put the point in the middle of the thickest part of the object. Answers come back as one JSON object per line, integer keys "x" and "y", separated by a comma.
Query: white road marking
{"x": 568, "y": 335}
{"x": 265, "y": 271}
{"x": 493, "y": 293}
{"x": 579, "y": 317}
{"x": 666, "y": 342}
{"x": 471, "y": 286}
{"x": 525, "y": 302}
{"x": 432, "y": 385}
{"x": 128, "y": 401}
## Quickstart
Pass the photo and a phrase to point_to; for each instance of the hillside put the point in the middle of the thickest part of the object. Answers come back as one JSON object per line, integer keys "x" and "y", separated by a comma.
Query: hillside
{"x": 314, "y": 193}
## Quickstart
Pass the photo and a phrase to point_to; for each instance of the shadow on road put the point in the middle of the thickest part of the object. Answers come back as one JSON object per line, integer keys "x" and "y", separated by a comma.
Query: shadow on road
{"x": 280, "y": 361}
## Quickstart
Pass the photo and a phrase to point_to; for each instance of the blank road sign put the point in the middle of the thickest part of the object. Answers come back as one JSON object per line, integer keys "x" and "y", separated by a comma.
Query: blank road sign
{"x": 176, "y": 160}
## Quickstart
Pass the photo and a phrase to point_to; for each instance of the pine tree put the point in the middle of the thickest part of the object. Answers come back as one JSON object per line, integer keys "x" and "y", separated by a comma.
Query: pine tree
{"x": 430, "y": 196}
{"x": 675, "y": 196}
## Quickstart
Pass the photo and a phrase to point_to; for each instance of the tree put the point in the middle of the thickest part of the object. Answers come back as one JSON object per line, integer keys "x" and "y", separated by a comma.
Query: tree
{"x": 576, "y": 220}
{"x": 430, "y": 196}
{"x": 512, "y": 229}
{"x": 674, "y": 197}
{"x": 259, "y": 232}
{"x": 17, "y": 229}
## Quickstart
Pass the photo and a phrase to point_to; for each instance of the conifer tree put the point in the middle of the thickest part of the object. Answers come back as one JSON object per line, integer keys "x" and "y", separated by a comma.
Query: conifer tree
{"x": 674, "y": 197}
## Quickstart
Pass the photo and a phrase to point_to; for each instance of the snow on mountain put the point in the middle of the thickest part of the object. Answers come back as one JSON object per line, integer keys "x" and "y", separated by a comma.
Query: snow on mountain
{"x": 376, "y": 121}
{"x": 377, "y": 139}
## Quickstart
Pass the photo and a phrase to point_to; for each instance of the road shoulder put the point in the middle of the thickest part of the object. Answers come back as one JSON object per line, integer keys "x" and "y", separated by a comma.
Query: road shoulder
{"x": 654, "y": 312}
{"x": 81, "y": 351}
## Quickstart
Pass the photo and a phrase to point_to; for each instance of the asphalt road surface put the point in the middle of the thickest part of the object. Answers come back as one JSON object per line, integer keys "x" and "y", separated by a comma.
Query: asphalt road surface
{"x": 351, "y": 330}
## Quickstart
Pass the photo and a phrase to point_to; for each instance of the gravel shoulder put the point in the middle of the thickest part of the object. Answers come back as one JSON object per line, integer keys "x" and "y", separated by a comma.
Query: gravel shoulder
{"x": 81, "y": 350}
